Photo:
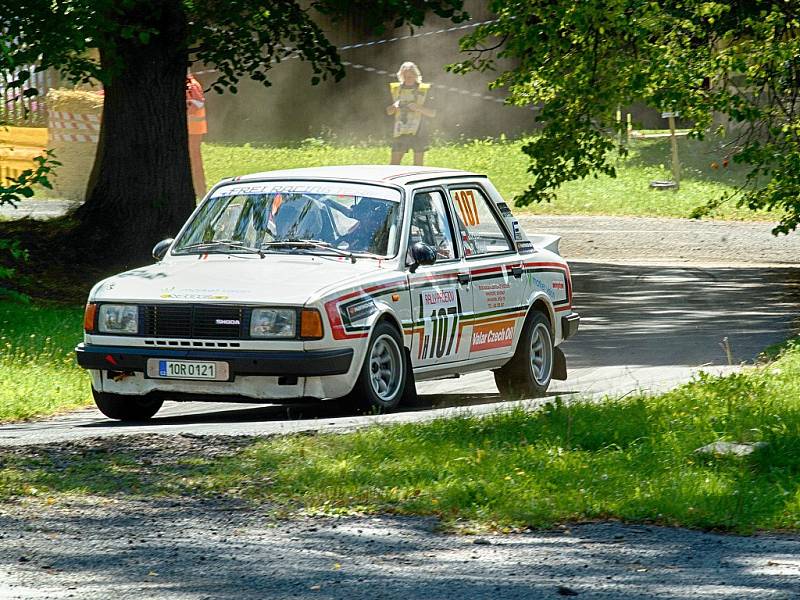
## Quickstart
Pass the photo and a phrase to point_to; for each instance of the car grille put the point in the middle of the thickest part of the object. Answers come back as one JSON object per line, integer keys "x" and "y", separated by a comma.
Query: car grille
{"x": 194, "y": 321}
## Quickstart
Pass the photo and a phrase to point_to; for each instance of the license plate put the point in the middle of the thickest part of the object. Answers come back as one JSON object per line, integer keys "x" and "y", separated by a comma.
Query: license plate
{"x": 187, "y": 369}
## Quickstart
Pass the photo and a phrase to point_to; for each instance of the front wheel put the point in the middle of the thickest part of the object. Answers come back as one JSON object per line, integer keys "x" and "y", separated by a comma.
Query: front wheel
{"x": 126, "y": 408}
{"x": 383, "y": 379}
{"x": 528, "y": 373}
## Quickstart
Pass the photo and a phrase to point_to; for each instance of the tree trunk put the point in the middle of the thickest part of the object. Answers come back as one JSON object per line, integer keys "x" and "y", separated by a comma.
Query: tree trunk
{"x": 140, "y": 190}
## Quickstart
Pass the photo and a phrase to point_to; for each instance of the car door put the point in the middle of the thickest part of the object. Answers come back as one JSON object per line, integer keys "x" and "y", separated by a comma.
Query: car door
{"x": 441, "y": 295}
{"x": 495, "y": 270}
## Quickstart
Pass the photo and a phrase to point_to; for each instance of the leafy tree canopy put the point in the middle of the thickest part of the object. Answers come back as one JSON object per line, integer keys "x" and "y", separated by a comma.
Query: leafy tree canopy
{"x": 738, "y": 61}
{"x": 140, "y": 189}
{"x": 239, "y": 37}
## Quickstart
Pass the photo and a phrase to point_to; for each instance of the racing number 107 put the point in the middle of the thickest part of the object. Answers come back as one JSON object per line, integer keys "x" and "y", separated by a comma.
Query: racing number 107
{"x": 465, "y": 199}
{"x": 440, "y": 331}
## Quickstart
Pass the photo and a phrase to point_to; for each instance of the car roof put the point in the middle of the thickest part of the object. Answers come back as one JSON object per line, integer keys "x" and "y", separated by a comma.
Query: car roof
{"x": 381, "y": 174}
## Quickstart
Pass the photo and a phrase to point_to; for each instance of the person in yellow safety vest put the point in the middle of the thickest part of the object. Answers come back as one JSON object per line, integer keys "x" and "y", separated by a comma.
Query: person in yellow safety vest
{"x": 196, "y": 119}
{"x": 407, "y": 107}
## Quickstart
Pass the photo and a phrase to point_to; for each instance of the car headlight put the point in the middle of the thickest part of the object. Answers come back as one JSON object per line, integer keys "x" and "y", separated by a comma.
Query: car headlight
{"x": 118, "y": 318}
{"x": 273, "y": 323}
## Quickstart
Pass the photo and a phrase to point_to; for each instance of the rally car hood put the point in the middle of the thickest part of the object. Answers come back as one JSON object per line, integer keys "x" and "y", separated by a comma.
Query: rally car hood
{"x": 275, "y": 279}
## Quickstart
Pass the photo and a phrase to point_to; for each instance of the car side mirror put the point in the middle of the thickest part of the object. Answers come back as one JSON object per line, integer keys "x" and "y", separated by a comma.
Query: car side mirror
{"x": 422, "y": 254}
{"x": 160, "y": 249}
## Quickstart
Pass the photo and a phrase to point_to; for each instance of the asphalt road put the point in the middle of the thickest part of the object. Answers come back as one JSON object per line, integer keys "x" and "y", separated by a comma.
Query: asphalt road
{"x": 644, "y": 327}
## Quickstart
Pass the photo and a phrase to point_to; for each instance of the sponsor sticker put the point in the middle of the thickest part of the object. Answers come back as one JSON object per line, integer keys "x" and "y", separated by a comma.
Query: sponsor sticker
{"x": 200, "y": 293}
{"x": 525, "y": 247}
{"x": 439, "y": 298}
{"x": 492, "y": 335}
{"x": 360, "y": 311}
{"x": 517, "y": 230}
{"x": 504, "y": 210}
{"x": 552, "y": 284}
{"x": 305, "y": 187}
{"x": 495, "y": 294}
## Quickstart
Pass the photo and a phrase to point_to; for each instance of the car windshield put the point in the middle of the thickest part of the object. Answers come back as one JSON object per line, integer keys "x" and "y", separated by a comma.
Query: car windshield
{"x": 319, "y": 217}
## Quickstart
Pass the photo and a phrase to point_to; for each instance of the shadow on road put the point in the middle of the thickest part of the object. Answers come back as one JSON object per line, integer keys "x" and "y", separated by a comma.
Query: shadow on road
{"x": 679, "y": 316}
{"x": 313, "y": 410}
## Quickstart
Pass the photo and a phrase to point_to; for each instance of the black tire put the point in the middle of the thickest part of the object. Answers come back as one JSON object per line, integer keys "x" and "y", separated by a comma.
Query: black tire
{"x": 382, "y": 383}
{"x": 528, "y": 373}
{"x": 126, "y": 408}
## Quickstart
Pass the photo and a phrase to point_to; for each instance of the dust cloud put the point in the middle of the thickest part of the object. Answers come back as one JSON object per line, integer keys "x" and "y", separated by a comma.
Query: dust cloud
{"x": 353, "y": 110}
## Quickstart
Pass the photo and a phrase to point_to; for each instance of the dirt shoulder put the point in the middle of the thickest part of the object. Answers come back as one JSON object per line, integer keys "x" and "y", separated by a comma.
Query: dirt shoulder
{"x": 674, "y": 241}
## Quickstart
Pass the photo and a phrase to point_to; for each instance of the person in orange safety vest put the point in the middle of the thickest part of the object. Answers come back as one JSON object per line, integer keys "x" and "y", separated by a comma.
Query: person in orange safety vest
{"x": 196, "y": 118}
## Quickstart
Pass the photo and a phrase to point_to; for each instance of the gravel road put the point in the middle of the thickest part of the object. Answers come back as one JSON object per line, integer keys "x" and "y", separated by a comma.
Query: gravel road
{"x": 668, "y": 241}
{"x": 126, "y": 548}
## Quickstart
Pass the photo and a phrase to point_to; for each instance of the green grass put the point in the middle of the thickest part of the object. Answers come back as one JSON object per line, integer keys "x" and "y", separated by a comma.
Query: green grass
{"x": 503, "y": 161}
{"x": 631, "y": 459}
{"x": 38, "y": 375}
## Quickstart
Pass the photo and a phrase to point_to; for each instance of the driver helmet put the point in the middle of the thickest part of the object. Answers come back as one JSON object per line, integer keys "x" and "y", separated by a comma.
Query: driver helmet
{"x": 368, "y": 210}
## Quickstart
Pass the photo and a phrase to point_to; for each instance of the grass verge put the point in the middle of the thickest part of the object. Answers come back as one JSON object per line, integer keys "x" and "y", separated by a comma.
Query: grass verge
{"x": 628, "y": 194}
{"x": 38, "y": 375}
{"x": 631, "y": 459}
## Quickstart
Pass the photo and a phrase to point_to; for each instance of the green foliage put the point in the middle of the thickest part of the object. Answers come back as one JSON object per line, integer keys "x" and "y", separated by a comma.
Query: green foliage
{"x": 17, "y": 256}
{"x": 38, "y": 374}
{"x": 12, "y": 191}
{"x": 714, "y": 62}
{"x": 239, "y": 37}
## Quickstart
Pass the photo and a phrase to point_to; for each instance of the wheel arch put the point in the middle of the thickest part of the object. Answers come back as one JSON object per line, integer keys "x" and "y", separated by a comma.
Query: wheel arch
{"x": 385, "y": 314}
{"x": 541, "y": 303}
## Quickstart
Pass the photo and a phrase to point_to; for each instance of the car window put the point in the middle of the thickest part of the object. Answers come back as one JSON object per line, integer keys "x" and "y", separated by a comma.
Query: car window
{"x": 349, "y": 217}
{"x": 430, "y": 224}
{"x": 481, "y": 232}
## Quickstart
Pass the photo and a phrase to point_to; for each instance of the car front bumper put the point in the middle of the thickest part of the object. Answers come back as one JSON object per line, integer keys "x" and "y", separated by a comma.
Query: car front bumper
{"x": 260, "y": 376}
{"x": 306, "y": 363}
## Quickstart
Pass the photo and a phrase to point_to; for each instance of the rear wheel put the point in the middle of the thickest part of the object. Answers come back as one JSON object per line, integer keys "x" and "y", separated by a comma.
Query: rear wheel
{"x": 126, "y": 408}
{"x": 528, "y": 373}
{"x": 383, "y": 379}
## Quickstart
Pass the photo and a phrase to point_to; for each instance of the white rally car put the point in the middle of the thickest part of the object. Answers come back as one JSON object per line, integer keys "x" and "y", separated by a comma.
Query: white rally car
{"x": 330, "y": 282}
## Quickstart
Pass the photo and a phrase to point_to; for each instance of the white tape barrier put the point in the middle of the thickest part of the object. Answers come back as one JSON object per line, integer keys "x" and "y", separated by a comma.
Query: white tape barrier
{"x": 416, "y": 35}
{"x": 438, "y": 86}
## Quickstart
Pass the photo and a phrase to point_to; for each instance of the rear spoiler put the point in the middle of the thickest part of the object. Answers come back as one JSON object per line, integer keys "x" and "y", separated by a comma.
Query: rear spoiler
{"x": 546, "y": 241}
